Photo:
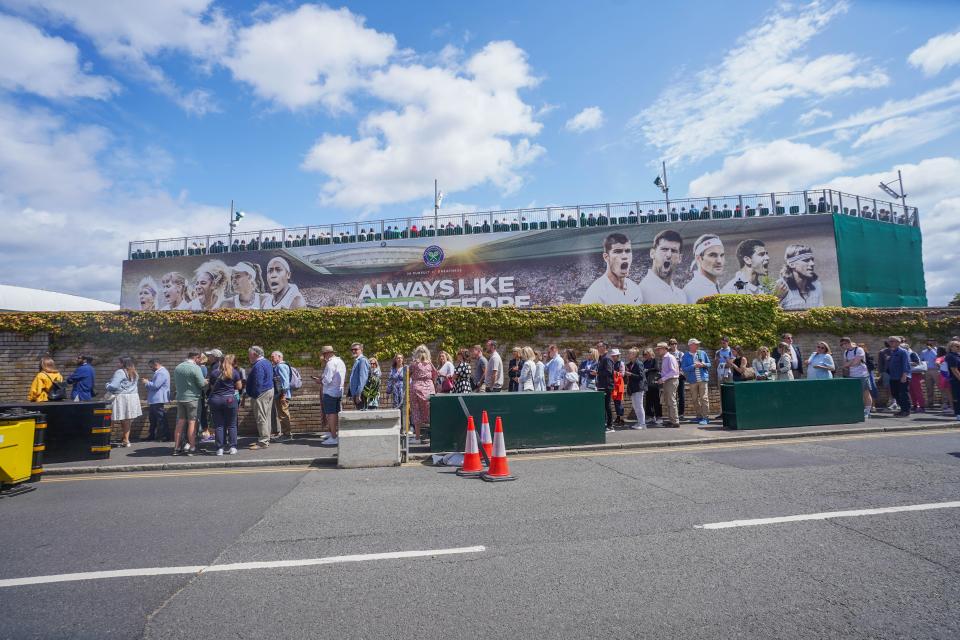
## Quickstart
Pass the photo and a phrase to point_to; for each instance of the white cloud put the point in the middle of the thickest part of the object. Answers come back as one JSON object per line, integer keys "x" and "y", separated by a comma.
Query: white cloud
{"x": 892, "y": 109}
{"x": 308, "y": 56}
{"x": 933, "y": 186}
{"x": 937, "y": 54}
{"x": 69, "y": 209}
{"x": 587, "y": 120}
{"x": 135, "y": 33}
{"x": 45, "y": 65}
{"x": 808, "y": 118}
{"x": 780, "y": 165}
{"x": 904, "y": 132}
{"x": 699, "y": 118}
{"x": 466, "y": 128}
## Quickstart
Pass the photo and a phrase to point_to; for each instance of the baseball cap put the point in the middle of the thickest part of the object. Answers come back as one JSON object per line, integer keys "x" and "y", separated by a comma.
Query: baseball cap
{"x": 662, "y": 345}
{"x": 326, "y": 349}
{"x": 693, "y": 341}
{"x": 614, "y": 352}
{"x": 216, "y": 353}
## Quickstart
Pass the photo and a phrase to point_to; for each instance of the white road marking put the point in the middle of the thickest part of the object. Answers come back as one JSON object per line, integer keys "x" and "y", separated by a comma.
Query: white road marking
{"x": 238, "y": 566}
{"x": 828, "y": 515}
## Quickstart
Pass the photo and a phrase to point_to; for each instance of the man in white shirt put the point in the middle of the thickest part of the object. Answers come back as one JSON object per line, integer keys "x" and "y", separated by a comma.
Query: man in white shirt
{"x": 754, "y": 264}
{"x": 555, "y": 369}
{"x": 334, "y": 373}
{"x": 493, "y": 374}
{"x": 709, "y": 258}
{"x": 614, "y": 287}
{"x": 657, "y": 286}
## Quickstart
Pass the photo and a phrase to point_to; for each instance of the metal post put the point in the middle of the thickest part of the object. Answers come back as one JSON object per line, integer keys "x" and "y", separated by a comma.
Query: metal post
{"x": 840, "y": 196}
{"x": 436, "y": 205}
{"x": 773, "y": 203}
{"x": 743, "y": 211}
{"x": 709, "y": 209}
{"x": 666, "y": 188}
{"x": 156, "y": 249}
{"x": 858, "y": 206}
{"x": 806, "y": 207}
{"x": 230, "y": 233}
{"x": 903, "y": 193}
{"x": 876, "y": 214}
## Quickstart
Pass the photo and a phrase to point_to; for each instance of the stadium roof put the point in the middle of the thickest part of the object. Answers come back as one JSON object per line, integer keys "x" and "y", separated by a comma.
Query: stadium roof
{"x": 24, "y": 299}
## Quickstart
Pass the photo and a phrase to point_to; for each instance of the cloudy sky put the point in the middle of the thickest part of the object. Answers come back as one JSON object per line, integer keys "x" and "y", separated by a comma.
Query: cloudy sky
{"x": 143, "y": 119}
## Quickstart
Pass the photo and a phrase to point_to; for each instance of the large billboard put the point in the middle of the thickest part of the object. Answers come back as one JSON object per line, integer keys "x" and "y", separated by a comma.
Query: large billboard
{"x": 794, "y": 258}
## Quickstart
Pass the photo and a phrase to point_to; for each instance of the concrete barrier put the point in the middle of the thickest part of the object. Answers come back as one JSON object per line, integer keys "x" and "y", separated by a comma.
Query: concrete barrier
{"x": 369, "y": 439}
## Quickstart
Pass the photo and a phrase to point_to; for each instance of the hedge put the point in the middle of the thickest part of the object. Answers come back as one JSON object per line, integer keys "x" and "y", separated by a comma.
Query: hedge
{"x": 748, "y": 320}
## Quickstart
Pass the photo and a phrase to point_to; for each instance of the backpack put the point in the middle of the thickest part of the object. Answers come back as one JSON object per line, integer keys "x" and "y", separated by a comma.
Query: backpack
{"x": 869, "y": 362}
{"x": 57, "y": 391}
{"x": 295, "y": 380}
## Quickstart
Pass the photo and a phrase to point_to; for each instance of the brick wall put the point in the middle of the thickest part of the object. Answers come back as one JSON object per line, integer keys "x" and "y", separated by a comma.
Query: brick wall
{"x": 19, "y": 358}
{"x": 19, "y": 362}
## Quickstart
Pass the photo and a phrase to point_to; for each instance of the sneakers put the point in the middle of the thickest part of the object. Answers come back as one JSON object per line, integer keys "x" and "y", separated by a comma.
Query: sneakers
{"x": 638, "y": 426}
{"x": 185, "y": 450}
{"x": 703, "y": 422}
{"x": 610, "y": 429}
{"x": 219, "y": 452}
{"x": 413, "y": 440}
{"x": 233, "y": 451}
{"x": 331, "y": 441}
{"x": 658, "y": 422}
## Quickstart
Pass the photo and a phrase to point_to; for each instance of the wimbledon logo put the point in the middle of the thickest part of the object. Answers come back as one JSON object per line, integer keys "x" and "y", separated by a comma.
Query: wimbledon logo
{"x": 433, "y": 256}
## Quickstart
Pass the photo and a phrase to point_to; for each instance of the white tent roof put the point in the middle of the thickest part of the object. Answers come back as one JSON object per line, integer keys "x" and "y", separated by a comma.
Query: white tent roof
{"x": 24, "y": 299}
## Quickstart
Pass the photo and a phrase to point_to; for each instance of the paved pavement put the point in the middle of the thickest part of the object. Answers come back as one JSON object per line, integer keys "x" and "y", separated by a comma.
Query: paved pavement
{"x": 308, "y": 449}
{"x": 588, "y": 545}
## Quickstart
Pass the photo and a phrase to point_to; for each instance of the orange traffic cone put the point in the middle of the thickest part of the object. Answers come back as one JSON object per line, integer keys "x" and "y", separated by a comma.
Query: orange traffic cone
{"x": 499, "y": 470}
{"x": 485, "y": 440}
{"x": 472, "y": 466}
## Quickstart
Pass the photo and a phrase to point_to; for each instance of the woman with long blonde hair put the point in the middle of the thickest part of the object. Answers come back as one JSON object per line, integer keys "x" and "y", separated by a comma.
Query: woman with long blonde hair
{"x": 422, "y": 386}
{"x": 225, "y": 382}
{"x": 44, "y": 380}
{"x": 176, "y": 294}
{"x": 210, "y": 283}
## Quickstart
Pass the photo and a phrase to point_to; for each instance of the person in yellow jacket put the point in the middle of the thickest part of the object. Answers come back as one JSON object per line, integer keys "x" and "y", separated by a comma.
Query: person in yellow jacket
{"x": 40, "y": 387}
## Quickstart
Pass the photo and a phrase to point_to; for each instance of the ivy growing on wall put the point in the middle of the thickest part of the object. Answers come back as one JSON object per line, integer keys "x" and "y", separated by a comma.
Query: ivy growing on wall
{"x": 748, "y": 320}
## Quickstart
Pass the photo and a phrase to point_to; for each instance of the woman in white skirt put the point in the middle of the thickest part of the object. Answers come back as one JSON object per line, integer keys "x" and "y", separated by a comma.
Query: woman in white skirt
{"x": 126, "y": 400}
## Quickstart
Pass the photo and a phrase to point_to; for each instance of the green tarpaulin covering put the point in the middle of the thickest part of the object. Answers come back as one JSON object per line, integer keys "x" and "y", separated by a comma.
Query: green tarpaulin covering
{"x": 880, "y": 264}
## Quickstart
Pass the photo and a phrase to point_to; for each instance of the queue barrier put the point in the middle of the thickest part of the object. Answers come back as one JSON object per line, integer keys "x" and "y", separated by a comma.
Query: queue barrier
{"x": 21, "y": 447}
{"x": 535, "y": 419}
{"x": 73, "y": 430}
{"x": 770, "y": 404}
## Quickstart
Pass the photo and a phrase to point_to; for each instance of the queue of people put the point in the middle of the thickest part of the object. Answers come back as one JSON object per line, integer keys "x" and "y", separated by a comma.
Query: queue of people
{"x": 209, "y": 387}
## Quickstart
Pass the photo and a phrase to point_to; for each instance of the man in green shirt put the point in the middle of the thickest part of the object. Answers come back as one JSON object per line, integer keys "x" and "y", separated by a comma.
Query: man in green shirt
{"x": 189, "y": 382}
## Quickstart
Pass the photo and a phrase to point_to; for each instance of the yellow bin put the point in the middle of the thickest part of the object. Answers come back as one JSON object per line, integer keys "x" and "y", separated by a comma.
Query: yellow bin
{"x": 16, "y": 449}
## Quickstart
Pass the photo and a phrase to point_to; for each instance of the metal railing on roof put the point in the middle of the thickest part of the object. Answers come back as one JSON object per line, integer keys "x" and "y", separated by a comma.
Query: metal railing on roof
{"x": 790, "y": 203}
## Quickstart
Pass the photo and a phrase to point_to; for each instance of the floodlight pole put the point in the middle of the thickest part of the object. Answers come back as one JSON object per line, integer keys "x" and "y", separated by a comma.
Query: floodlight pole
{"x": 436, "y": 205}
{"x": 230, "y": 233}
{"x": 666, "y": 187}
{"x": 903, "y": 192}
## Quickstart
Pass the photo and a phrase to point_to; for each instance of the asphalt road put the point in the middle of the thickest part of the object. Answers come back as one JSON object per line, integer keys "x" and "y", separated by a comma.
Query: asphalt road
{"x": 599, "y": 546}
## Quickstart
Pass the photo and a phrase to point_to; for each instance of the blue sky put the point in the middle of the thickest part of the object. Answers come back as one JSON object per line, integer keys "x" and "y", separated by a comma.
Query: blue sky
{"x": 121, "y": 121}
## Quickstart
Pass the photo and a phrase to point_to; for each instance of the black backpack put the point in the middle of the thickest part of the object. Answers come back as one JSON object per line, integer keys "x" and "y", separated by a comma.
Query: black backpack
{"x": 58, "y": 390}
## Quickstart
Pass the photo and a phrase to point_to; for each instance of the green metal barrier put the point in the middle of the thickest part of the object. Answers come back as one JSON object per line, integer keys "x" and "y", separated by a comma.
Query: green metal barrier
{"x": 530, "y": 419}
{"x": 791, "y": 403}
